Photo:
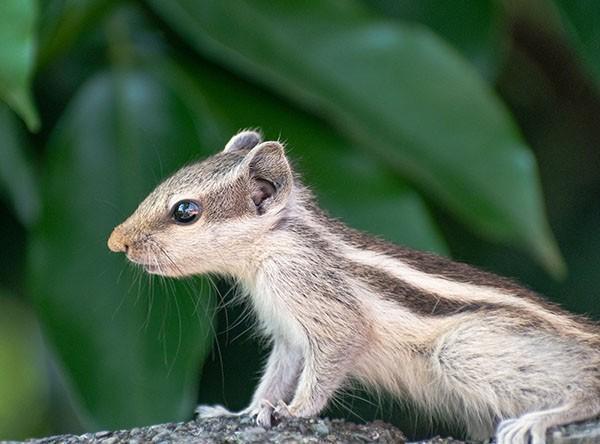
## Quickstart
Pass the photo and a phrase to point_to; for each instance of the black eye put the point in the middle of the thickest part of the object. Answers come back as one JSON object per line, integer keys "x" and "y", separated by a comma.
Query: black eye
{"x": 186, "y": 211}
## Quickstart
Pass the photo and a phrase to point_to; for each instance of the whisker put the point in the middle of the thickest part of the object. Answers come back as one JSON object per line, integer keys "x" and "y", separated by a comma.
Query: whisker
{"x": 123, "y": 295}
{"x": 149, "y": 300}
{"x": 180, "y": 332}
{"x": 171, "y": 291}
{"x": 109, "y": 204}
{"x": 348, "y": 407}
{"x": 120, "y": 274}
{"x": 139, "y": 288}
{"x": 244, "y": 316}
{"x": 243, "y": 332}
{"x": 209, "y": 318}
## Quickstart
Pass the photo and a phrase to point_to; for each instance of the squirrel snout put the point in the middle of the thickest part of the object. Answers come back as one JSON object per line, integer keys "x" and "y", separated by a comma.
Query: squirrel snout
{"x": 117, "y": 242}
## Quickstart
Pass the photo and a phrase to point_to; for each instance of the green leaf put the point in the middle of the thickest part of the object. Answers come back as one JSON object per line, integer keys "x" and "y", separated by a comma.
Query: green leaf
{"x": 582, "y": 19}
{"x": 64, "y": 21}
{"x": 476, "y": 28}
{"x": 398, "y": 91}
{"x": 351, "y": 185}
{"x": 17, "y": 34}
{"x": 131, "y": 346}
{"x": 17, "y": 175}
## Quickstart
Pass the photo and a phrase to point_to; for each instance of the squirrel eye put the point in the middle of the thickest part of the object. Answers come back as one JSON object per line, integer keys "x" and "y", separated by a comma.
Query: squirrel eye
{"x": 186, "y": 211}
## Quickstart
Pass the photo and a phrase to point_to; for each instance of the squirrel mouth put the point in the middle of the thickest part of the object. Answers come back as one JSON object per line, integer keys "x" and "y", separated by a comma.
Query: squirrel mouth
{"x": 152, "y": 268}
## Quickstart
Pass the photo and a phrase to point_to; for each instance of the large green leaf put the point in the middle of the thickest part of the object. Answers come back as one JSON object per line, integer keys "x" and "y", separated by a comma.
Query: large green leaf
{"x": 17, "y": 175}
{"x": 130, "y": 346}
{"x": 353, "y": 186}
{"x": 399, "y": 91}
{"x": 582, "y": 18}
{"x": 476, "y": 28}
{"x": 17, "y": 34}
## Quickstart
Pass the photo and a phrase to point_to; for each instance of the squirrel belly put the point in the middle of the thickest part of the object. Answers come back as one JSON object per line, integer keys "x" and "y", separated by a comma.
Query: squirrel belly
{"x": 339, "y": 305}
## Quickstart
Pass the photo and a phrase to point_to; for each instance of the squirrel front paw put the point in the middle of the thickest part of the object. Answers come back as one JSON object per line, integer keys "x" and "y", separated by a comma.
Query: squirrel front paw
{"x": 262, "y": 412}
{"x": 265, "y": 412}
{"x": 282, "y": 410}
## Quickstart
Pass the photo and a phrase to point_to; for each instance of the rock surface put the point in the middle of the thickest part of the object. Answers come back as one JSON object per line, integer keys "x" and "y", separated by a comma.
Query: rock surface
{"x": 582, "y": 433}
{"x": 297, "y": 430}
{"x": 243, "y": 430}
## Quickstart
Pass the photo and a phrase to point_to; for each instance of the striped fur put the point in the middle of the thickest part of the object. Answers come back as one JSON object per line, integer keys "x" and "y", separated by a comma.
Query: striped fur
{"x": 339, "y": 305}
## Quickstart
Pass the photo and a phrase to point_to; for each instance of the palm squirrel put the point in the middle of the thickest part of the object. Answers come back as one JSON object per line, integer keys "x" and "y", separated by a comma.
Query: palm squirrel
{"x": 339, "y": 305}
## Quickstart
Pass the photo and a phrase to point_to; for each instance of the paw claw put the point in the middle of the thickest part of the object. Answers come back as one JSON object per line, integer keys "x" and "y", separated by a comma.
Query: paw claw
{"x": 264, "y": 417}
{"x": 261, "y": 412}
{"x": 282, "y": 410}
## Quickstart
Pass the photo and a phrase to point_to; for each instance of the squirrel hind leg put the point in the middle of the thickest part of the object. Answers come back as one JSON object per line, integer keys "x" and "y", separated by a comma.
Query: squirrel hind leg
{"x": 532, "y": 427}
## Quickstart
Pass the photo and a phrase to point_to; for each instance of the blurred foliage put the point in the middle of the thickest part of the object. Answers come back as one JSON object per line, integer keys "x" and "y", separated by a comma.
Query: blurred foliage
{"x": 163, "y": 329}
{"x": 475, "y": 28}
{"x": 23, "y": 382}
{"x": 17, "y": 35}
{"x": 405, "y": 116}
{"x": 581, "y": 19}
{"x": 17, "y": 173}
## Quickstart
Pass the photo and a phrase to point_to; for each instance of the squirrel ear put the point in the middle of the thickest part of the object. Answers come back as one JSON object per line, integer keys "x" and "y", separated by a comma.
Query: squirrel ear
{"x": 270, "y": 175}
{"x": 244, "y": 140}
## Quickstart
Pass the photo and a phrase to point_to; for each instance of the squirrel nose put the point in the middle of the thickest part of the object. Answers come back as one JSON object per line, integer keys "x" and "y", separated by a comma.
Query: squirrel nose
{"x": 117, "y": 242}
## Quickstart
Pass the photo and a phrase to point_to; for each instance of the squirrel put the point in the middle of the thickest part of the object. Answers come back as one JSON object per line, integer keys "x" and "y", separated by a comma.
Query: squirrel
{"x": 339, "y": 305}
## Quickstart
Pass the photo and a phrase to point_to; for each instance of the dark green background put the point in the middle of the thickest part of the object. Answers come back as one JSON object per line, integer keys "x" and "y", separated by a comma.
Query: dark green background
{"x": 467, "y": 128}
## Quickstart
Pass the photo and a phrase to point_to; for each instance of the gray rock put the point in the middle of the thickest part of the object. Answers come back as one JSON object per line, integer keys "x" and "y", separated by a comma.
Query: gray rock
{"x": 295, "y": 430}
{"x": 582, "y": 433}
{"x": 320, "y": 428}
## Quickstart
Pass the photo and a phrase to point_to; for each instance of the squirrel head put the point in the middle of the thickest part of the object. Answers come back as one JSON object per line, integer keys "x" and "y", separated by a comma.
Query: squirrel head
{"x": 210, "y": 215}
